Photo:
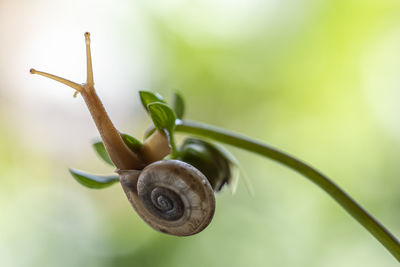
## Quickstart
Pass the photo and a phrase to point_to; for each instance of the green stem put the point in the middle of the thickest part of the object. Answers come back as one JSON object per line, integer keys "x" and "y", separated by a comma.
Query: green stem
{"x": 350, "y": 205}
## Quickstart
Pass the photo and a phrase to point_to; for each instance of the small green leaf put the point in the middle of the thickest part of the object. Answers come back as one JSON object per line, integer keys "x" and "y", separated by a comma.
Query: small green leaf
{"x": 164, "y": 120}
{"x": 149, "y": 131}
{"x": 102, "y": 152}
{"x": 178, "y": 105}
{"x": 149, "y": 97}
{"x": 163, "y": 116}
{"x": 92, "y": 180}
{"x": 131, "y": 142}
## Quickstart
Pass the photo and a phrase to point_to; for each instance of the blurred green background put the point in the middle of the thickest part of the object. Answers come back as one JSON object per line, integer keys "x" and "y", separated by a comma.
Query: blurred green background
{"x": 319, "y": 79}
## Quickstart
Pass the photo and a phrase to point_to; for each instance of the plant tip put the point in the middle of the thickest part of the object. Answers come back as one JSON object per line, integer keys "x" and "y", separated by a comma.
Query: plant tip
{"x": 32, "y": 71}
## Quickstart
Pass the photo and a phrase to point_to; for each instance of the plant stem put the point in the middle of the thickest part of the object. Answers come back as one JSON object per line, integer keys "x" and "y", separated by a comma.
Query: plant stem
{"x": 350, "y": 205}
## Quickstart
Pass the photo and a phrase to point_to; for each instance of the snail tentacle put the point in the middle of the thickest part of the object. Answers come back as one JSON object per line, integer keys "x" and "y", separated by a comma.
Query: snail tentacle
{"x": 121, "y": 155}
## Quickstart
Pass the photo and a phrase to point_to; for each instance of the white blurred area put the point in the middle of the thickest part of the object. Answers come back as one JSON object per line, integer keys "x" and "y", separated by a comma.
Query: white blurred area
{"x": 48, "y": 36}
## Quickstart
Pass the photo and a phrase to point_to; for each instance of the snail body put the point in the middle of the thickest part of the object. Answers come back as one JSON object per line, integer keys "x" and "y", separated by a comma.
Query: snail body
{"x": 171, "y": 196}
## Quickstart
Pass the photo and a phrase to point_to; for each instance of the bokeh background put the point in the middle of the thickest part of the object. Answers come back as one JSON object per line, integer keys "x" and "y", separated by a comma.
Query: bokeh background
{"x": 319, "y": 79}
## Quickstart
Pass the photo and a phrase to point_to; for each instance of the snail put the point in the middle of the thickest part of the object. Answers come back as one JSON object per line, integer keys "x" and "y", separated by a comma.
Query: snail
{"x": 171, "y": 196}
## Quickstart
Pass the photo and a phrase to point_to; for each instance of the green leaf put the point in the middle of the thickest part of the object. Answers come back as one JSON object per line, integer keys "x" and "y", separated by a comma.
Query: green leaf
{"x": 149, "y": 131}
{"x": 92, "y": 180}
{"x": 131, "y": 142}
{"x": 236, "y": 171}
{"x": 102, "y": 152}
{"x": 164, "y": 120}
{"x": 215, "y": 162}
{"x": 149, "y": 97}
{"x": 163, "y": 116}
{"x": 178, "y": 105}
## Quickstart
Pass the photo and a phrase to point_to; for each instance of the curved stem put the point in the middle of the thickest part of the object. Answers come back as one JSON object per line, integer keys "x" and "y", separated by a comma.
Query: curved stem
{"x": 350, "y": 205}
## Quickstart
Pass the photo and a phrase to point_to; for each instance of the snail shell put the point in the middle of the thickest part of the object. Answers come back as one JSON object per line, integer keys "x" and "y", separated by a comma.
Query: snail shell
{"x": 171, "y": 196}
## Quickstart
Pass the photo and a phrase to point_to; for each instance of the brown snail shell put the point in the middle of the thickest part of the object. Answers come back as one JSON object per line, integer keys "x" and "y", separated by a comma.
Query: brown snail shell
{"x": 171, "y": 196}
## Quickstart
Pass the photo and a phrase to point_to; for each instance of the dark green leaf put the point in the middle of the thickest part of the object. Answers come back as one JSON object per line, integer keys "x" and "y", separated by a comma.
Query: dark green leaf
{"x": 149, "y": 131}
{"x": 149, "y": 97}
{"x": 163, "y": 116}
{"x": 179, "y": 105}
{"x": 102, "y": 152}
{"x": 215, "y": 162}
{"x": 92, "y": 180}
{"x": 130, "y": 141}
{"x": 209, "y": 159}
{"x": 236, "y": 171}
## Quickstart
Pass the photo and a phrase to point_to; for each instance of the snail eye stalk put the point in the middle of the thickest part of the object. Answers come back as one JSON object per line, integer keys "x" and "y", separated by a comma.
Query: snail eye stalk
{"x": 120, "y": 154}
{"x": 89, "y": 72}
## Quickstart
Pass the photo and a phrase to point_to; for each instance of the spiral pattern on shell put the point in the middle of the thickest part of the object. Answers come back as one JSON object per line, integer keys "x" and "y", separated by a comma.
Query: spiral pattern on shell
{"x": 173, "y": 197}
